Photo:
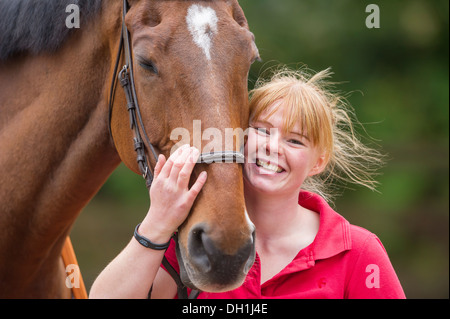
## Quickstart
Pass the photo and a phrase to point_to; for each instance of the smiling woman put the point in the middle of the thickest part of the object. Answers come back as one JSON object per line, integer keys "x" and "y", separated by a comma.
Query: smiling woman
{"x": 301, "y": 131}
{"x": 325, "y": 120}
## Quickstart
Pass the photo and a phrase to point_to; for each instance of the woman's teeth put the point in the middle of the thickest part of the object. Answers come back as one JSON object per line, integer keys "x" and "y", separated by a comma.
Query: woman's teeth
{"x": 269, "y": 166}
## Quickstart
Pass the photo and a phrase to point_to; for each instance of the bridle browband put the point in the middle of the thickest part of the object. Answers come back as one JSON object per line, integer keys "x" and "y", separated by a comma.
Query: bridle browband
{"x": 126, "y": 79}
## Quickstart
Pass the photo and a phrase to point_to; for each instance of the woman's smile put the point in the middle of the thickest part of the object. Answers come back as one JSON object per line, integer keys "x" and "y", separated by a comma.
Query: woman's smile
{"x": 269, "y": 166}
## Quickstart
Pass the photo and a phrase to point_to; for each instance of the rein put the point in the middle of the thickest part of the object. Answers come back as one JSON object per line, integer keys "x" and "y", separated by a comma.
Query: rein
{"x": 68, "y": 256}
{"x": 126, "y": 79}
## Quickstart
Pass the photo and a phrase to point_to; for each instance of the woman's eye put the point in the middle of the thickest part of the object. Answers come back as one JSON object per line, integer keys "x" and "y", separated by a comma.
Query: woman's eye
{"x": 149, "y": 66}
{"x": 262, "y": 130}
{"x": 296, "y": 142}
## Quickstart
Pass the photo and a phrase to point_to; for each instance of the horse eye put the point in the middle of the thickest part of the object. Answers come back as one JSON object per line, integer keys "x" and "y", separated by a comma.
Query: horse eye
{"x": 149, "y": 66}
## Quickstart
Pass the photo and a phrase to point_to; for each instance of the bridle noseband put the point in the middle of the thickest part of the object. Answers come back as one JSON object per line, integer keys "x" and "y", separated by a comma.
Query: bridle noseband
{"x": 126, "y": 79}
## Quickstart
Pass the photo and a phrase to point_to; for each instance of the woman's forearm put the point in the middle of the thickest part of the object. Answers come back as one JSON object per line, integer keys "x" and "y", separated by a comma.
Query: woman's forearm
{"x": 129, "y": 275}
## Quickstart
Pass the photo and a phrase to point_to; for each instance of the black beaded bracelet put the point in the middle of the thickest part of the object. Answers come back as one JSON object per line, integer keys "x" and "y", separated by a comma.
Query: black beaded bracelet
{"x": 147, "y": 243}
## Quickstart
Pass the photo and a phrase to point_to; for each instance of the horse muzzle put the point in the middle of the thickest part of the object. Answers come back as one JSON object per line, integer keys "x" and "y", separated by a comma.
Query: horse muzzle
{"x": 208, "y": 268}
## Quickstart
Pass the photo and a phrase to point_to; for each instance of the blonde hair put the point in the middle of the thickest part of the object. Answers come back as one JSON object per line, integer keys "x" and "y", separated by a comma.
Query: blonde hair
{"x": 328, "y": 121}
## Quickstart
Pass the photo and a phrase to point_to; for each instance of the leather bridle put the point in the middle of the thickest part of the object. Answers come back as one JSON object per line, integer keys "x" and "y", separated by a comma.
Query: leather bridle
{"x": 126, "y": 79}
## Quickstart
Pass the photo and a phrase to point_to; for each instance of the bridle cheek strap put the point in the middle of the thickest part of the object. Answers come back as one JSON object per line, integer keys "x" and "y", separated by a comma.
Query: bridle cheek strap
{"x": 139, "y": 146}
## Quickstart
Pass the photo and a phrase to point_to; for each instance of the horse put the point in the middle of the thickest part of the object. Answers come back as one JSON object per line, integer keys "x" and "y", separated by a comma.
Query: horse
{"x": 60, "y": 138}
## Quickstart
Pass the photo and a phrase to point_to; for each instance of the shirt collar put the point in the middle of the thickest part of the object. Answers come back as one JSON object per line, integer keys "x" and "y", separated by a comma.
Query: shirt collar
{"x": 333, "y": 236}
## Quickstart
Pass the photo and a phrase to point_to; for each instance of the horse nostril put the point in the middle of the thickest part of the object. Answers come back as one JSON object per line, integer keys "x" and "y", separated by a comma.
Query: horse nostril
{"x": 200, "y": 248}
{"x": 206, "y": 257}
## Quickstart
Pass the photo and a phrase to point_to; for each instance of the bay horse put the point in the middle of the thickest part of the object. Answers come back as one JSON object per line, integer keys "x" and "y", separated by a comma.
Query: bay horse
{"x": 59, "y": 140}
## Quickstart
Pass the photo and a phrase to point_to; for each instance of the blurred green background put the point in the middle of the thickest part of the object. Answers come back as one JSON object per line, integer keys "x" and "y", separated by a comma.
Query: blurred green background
{"x": 399, "y": 78}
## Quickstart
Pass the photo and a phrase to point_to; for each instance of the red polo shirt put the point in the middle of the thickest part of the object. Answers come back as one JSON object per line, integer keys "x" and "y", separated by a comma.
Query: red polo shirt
{"x": 344, "y": 261}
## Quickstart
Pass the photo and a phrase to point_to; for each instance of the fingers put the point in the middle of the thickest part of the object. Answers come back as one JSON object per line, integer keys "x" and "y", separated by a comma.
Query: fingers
{"x": 165, "y": 171}
{"x": 197, "y": 187}
{"x": 180, "y": 159}
{"x": 186, "y": 171}
{"x": 159, "y": 165}
{"x": 178, "y": 168}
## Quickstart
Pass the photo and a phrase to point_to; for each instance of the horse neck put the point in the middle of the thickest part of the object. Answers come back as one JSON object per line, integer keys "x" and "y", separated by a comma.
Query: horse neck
{"x": 56, "y": 153}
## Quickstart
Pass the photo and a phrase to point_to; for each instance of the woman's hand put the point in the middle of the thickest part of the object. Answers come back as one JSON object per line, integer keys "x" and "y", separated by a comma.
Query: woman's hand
{"x": 133, "y": 271}
{"x": 171, "y": 198}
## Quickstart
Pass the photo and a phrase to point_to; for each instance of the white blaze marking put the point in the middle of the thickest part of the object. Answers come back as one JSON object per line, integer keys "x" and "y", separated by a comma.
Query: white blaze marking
{"x": 202, "y": 23}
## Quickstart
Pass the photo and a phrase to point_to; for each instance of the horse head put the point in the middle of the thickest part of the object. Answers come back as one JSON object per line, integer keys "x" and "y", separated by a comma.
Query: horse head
{"x": 191, "y": 61}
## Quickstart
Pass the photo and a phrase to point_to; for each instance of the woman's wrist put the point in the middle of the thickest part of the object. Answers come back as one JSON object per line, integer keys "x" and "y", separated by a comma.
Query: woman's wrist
{"x": 153, "y": 233}
{"x": 144, "y": 241}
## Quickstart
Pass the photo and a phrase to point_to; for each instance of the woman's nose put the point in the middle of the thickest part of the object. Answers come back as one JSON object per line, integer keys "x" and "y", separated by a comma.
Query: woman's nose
{"x": 272, "y": 143}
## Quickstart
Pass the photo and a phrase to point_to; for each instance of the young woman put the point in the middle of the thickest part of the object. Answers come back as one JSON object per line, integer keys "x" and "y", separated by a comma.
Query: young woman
{"x": 301, "y": 140}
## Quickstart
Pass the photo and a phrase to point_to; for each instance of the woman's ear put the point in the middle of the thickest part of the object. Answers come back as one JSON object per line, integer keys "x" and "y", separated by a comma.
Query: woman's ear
{"x": 320, "y": 165}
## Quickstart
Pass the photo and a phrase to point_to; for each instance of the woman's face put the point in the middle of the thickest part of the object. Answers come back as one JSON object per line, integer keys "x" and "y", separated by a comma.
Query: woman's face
{"x": 278, "y": 162}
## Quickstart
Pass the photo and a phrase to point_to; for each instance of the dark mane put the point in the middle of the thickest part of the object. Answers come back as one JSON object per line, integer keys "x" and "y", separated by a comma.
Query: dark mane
{"x": 34, "y": 26}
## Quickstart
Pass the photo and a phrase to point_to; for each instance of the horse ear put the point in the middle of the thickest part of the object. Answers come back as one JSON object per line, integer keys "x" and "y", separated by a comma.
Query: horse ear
{"x": 239, "y": 16}
{"x": 146, "y": 13}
